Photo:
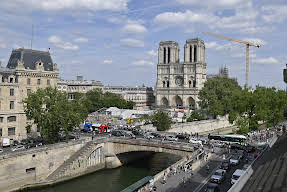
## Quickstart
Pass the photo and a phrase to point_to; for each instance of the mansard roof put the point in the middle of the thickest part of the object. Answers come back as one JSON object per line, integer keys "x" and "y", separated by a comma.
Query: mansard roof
{"x": 30, "y": 58}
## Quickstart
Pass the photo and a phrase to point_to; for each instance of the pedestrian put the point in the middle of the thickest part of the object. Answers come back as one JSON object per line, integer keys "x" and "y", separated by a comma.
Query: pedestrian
{"x": 183, "y": 181}
{"x": 207, "y": 168}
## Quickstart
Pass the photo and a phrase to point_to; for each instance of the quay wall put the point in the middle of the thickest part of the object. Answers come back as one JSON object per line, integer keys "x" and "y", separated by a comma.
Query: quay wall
{"x": 34, "y": 165}
{"x": 204, "y": 126}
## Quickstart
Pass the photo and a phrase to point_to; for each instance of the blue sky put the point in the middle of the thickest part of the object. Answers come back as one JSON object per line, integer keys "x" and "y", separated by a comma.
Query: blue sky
{"x": 116, "y": 41}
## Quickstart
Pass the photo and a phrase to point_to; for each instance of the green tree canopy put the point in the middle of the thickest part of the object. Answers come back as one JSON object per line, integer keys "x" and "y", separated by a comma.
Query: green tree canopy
{"x": 215, "y": 96}
{"x": 161, "y": 120}
{"x": 96, "y": 100}
{"x": 51, "y": 112}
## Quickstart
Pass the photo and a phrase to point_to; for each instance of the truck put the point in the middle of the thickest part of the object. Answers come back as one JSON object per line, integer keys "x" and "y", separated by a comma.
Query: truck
{"x": 6, "y": 142}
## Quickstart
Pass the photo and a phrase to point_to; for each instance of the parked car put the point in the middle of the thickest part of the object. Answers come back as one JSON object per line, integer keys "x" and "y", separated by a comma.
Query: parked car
{"x": 245, "y": 166}
{"x": 171, "y": 138}
{"x": 30, "y": 145}
{"x": 249, "y": 149}
{"x": 250, "y": 157}
{"x": 212, "y": 187}
{"x": 218, "y": 176}
{"x": 156, "y": 134}
{"x": 224, "y": 165}
{"x": 117, "y": 133}
{"x": 219, "y": 144}
{"x": 240, "y": 153}
{"x": 181, "y": 136}
{"x": 137, "y": 132}
{"x": 17, "y": 148}
{"x": 234, "y": 160}
{"x": 193, "y": 141}
{"x": 148, "y": 136}
{"x": 236, "y": 175}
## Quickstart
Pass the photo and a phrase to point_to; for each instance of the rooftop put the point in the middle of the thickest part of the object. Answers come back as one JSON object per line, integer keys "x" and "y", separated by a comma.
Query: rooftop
{"x": 30, "y": 57}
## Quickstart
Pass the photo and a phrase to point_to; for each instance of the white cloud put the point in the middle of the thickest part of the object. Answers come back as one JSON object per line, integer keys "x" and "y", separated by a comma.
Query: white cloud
{"x": 152, "y": 53}
{"x": 274, "y": 14}
{"x": 81, "y": 40}
{"x": 184, "y": 18}
{"x": 134, "y": 28}
{"x": 243, "y": 18}
{"x": 132, "y": 42}
{"x": 243, "y": 55}
{"x": 58, "y": 42}
{"x": 142, "y": 63}
{"x": 108, "y": 61}
{"x": 57, "y": 5}
{"x": 212, "y": 4}
{"x": 269, "y": 60}
{"x": 256, "y": 30}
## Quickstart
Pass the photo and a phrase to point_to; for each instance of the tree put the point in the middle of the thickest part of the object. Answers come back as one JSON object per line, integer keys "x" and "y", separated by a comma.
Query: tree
{"x": 196, "y": 116}
{"x": 52, "y": 112}
{"x": 96, "y": 100}
{"x": 161, "y": 120}
{"x": 215, "y": 96}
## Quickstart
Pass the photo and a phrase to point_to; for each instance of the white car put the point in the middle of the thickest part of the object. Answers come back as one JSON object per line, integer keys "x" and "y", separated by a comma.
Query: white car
{"x": 18, "y": 147}
{"x": 236, "y": 175}
{"x": 218, "y": 176}
{"x": 193, "y": 141}
{"x": 234, "y": 160}
{"x": 148, "y": 136}
{"x": 171, "y": 138}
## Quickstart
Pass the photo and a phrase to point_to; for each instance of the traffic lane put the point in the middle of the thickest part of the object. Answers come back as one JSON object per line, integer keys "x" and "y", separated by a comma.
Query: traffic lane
{"x": 226, "y": 184}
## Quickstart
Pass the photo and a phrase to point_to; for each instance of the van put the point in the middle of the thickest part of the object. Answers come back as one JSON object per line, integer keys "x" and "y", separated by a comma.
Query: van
{"x": 236, "y": 175}
{"x": 6, "y": 142}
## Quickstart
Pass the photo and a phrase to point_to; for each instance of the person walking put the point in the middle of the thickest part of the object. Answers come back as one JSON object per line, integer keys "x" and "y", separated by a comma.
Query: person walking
{"x": 207, "y": 169}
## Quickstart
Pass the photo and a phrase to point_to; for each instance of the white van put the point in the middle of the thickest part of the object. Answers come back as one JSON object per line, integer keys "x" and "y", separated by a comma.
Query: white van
{"x": 6, "y": 142}
{"x": 238, "y": 173}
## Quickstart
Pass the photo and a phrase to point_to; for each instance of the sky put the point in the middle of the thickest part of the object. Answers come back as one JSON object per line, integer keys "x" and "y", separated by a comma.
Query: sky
{"x": 116, "y": 41}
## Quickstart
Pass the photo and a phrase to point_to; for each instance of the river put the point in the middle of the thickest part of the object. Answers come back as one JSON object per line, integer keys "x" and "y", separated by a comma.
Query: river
{"x": 115, "y": 180}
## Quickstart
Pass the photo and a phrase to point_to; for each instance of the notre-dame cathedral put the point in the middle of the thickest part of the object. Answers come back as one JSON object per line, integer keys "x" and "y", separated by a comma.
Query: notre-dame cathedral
{"x": 178, "y": 83}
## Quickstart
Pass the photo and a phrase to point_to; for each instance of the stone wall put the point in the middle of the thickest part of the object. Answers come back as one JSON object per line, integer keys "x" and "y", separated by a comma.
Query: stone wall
{"x": 32, "y": 166}
{"x": 200, "y": 126}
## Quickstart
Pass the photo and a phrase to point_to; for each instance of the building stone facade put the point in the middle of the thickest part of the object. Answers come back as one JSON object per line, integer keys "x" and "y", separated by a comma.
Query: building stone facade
{"x": 178, "y": 83}
{"x": 26, "y": 71}
{"x": 143, "y": 96}
{"x": 80, "y": 86}
{"x": 223, "y": 72}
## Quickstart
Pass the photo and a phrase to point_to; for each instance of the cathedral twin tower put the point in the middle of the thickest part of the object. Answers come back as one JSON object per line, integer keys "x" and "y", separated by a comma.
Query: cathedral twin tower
{"x": 178, "y": 83}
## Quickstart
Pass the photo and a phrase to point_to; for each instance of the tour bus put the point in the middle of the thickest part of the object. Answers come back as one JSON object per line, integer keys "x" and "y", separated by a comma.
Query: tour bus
{"x": 96, "y": 127}
{"x": 228, "y": 138}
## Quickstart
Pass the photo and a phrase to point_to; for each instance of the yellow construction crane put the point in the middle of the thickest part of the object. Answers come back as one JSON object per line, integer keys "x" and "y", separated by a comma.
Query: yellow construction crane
{"x": 248, "y": 44}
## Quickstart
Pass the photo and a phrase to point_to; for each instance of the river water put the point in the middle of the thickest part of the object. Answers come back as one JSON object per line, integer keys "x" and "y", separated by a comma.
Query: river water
{"x": 115, "y": 180}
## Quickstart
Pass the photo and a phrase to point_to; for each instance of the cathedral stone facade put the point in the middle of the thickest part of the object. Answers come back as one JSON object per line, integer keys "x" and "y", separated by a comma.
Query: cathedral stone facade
{"x": 178, "y": 83}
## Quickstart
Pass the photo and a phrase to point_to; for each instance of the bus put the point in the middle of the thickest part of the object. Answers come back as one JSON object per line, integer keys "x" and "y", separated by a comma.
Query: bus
{"x": 96, "y": 127}
{"x": 228, "y": 138}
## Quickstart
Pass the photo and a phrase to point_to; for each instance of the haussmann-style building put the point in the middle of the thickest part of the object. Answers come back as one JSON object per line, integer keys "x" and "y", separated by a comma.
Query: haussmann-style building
{"x": 26, "y": 71}
{"x": 178, "y": 83}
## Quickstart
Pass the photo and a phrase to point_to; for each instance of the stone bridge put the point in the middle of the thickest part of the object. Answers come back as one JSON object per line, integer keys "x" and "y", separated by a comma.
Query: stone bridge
{"x": 103, "y": 153}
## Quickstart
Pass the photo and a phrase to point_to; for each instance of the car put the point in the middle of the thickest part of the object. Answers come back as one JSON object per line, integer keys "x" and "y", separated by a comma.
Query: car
{"x": 236, "y": 175}
{"x": 240, "y": 153}
{"x": 30, "y": 145}
{"x": 218, "y": 176}
{"x": 148, "y": 136}
{"x": 219, "y": 144}
{"x": 171, "y": 138}
{"x": 250, "y": 157}
{"x": 193, "y": 141}
{"x": 249, "y": 149}
{"x": 212, "y": 187}
{"x": 156, "y": 134}
{"x": 237, "y": 146}
{"x": 245, "y": 166}
{"x": 137, "y": 132}
{"x": 1, "y": 150}
{"x": 224, "y": 165}
{"x": 18, "y": 147}
{"x": 181, "y": 136}
{"x": 234, "y": 160}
